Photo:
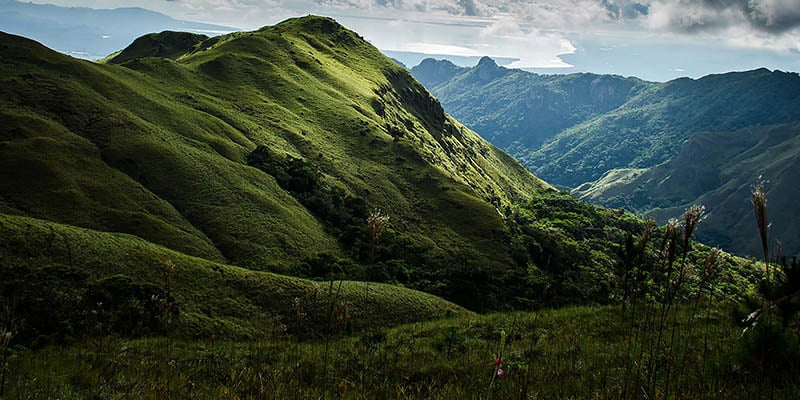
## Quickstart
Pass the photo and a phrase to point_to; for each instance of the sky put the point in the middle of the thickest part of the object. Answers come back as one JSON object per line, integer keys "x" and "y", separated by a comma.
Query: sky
{"x": 651, "y": 39}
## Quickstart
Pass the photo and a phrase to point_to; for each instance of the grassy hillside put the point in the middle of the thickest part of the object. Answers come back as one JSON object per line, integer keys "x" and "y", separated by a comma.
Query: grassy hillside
{"x": 58, "y": 276}
{"x": 159, "y": 148}
{"x": 716, "y": 169}
{"x": 577, "y": 353}
{"x": 210, "y": 218}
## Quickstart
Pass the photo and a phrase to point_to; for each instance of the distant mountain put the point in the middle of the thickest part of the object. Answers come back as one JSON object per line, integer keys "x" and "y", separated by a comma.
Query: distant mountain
{"x": 90, "y": 33}
{"x": 651, "y": 127}
{"x": 717, "y": 169}
{"x": 630, "y": 134}
{"x": 412, "y": 58}
{"x": 519, "y": 111}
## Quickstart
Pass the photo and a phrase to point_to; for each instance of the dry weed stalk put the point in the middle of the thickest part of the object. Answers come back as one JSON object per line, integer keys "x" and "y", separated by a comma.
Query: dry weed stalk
{"x": 376, "y": 223}
{"x": 759, "y": 201}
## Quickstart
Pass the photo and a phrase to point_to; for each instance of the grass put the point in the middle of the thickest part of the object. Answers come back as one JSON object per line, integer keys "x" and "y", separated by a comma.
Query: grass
{"x": 565, "y": 353}
{"x": 215, "y": 300}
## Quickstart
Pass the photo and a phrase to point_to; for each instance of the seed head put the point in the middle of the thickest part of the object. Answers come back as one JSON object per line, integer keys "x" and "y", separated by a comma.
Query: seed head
{"x": 759, "y": 201}
{"x": 376, "y": 223}
{"x": 712, "y": 263}
{"x": 691, "y": 218}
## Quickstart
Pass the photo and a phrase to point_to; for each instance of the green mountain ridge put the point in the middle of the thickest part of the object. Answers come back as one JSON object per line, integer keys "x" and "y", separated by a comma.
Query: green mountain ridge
{"x": 280, "y": 151}
{"x": 266, "y": 150}
{"x": 269, "y": 88}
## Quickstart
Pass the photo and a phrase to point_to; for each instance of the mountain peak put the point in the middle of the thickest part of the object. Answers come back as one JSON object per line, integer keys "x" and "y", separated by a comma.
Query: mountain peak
{"x": 432, "y": 72}
{"x": 487, "y": 69}
{"x": 167, "y": 44}
{"x": 487, "y": 61}
{"x": 312, "y": 24}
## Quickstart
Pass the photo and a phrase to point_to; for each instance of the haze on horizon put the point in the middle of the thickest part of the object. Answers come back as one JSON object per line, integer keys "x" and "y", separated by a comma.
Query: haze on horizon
{"x": 650, "y": 39}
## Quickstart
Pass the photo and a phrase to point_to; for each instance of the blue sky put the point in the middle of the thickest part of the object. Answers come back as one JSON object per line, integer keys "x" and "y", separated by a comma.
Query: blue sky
{"x": 654, "y": 40}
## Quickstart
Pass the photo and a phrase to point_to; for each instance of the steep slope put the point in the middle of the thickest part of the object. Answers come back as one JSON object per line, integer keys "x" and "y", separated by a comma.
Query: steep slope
{"x": 159, "y": 148}
{"x": 717, "y": 169}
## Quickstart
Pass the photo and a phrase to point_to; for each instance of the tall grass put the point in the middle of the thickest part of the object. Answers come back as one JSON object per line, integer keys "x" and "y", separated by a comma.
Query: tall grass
{"x": 571, "y": 353}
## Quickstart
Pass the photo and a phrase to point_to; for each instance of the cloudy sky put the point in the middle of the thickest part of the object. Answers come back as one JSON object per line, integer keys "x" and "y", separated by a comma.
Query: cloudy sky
{"x": 652, "y": 39}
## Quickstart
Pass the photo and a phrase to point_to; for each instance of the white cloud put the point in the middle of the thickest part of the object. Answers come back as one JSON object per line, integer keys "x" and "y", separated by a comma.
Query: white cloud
{"x": 765, "y": 24}
{"x": 534, "y": 47}
{"x": 536, "y": 32}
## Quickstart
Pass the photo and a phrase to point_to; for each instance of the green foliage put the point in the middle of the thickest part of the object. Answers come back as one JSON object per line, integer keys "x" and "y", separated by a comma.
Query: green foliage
{"x": 342, "y": 215}
{"x": 569, "y": 248}
{"x": 770, "y": 350}
{"x": 58, "y": 303}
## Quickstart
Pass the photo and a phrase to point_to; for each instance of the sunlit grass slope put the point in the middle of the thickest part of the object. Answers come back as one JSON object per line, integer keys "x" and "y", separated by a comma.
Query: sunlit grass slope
{"x": 157, "y": 147}
{"x": 215, "y": 300}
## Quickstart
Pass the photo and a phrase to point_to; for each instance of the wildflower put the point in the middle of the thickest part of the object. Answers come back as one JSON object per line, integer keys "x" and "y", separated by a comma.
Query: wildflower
{"x": 499, "y": 372}
{"x": 496, "y": 361}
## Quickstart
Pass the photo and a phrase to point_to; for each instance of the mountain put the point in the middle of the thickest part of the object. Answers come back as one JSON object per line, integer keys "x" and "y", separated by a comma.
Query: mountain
{"x": 717, "y": 169}
{"x": 412, "y": 58}
{"x": 605, "y": 136}
{"x": 90, "y": 33}
{"x": 166, "y": 44}
{"x": 519, "y": 111}
{"x": 267, "y": 150}
{"x": 651, "y": 127}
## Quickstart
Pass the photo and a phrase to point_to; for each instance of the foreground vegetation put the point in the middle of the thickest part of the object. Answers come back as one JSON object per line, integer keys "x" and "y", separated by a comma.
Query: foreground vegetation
{"x": 567, "y": 353}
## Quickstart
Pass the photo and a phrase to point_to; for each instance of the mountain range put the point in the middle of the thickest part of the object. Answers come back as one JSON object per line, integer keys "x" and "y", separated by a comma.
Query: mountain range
{"x": 90, "y": 33}
{"x": 652, "y": 148}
